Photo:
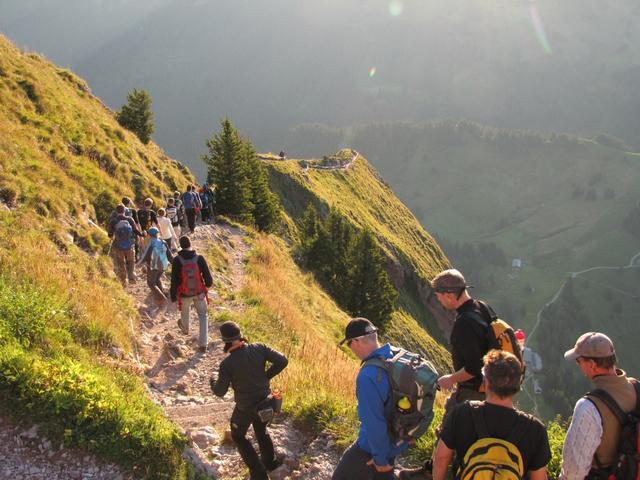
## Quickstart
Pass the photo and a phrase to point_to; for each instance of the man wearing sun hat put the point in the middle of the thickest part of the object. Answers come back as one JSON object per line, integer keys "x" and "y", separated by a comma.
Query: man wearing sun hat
{"x": 372, "y": 455}
{"x": 592, "y": 439}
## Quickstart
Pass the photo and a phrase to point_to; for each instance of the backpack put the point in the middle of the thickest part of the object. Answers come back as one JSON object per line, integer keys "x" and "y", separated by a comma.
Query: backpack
{"x": 144, "y": 217}
{"x": 490, "y": 458}
{"x": 413, "y": 381}
{"x": 188, "y": 200}
{"x": 500, "y": 335}
{"x": 191, "y": 283}
{"x": 627, "y": 465}
{"x": 159, "y": 260}
{"x": 172, "y": 214}
{"x": 123, "y": 235}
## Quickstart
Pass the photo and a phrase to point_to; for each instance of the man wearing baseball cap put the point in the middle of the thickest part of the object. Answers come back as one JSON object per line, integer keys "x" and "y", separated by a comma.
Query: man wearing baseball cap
{"x": 249, "y": 368}
{"x": 592, "y": 439}
{"x": 372, "y": 455}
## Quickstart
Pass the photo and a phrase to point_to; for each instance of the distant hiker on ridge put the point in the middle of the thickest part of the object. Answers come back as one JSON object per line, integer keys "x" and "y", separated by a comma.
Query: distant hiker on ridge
{"x": 190, "y": 280}
{"x": 245, "y": 370}
{"x": 122, "y": 230}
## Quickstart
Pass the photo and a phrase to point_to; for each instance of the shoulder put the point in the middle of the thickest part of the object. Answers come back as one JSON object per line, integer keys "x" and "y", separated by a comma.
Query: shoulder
{"x": 534, "y": 422}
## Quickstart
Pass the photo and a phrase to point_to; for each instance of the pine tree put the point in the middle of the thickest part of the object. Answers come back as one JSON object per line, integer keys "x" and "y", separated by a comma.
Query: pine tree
{"x": 266, "y": 210}
{"x": 229, "y": 172}
{"x": 338, "y": 265}
{"x": 136, "y": 115}
{"x": 372, "y": 294}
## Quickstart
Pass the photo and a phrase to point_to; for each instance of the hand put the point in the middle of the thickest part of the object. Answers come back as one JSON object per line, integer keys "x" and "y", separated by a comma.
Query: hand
{"x": 212, "y": 381}
{"x": 446, "y": 382}
{"x": 380, "y": 468}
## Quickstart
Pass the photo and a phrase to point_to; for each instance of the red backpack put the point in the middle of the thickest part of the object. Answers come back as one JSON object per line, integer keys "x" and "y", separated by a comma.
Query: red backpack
{"x": 191, "y": 283}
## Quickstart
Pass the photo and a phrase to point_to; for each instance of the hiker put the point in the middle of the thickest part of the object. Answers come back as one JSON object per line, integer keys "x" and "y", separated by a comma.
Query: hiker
{"x": 373, "y": 454}
{"x": 470, "y": 428}
{"x": 147, "y": 217}
{"x": 182, "y": 217}
{"x": 189, "y": 203}
{"x": 167, "y": 233}
{"x": 157, "y": 257}
{"x": 204, "y": 200}
{"x": 130, "y": 211}
{"x": 245, "y": 370}
{"x": 123, "y": 231}
{"x": 173, "y": 215}
{"x": 469, "y": 343}
{"x": 211, "y": 196}
{"x": 190, "y": 280}
{"x": 594, "y": 437}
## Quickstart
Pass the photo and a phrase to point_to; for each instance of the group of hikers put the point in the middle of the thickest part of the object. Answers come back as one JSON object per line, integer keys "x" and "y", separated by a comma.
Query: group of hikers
{"x": 482, "y": 434}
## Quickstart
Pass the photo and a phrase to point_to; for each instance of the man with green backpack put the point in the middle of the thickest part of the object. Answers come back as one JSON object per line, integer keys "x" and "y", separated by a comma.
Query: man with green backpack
{"x": 492, "y": 440}
{"x": 395, "y": 391}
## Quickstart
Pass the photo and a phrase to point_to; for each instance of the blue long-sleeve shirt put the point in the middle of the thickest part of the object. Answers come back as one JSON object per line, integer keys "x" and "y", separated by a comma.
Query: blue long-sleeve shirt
{"x": 373, "y": 391}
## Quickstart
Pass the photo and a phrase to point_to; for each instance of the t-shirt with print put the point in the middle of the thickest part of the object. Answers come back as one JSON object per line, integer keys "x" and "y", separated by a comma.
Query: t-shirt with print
{"x": 458, "y": 432}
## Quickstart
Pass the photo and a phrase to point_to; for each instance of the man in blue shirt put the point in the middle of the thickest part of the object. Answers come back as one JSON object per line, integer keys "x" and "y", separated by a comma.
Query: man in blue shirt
{"x": 372, "y": 455}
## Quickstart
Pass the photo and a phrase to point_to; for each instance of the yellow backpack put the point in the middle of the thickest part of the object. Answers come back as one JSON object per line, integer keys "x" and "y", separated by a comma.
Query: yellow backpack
{"x": 491, "y": 458}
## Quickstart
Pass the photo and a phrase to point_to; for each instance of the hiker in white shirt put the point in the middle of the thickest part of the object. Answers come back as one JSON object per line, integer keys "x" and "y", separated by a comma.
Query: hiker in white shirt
{"x": 167, "y": 232}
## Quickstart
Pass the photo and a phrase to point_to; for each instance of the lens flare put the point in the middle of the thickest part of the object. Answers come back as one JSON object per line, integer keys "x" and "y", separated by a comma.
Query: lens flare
{"x": 396, "y": 8}
{"x": 538, "y": 27}
{"x": 372, "y": 72}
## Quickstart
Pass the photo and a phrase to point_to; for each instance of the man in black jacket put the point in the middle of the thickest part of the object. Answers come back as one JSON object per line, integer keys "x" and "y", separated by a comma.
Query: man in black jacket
{"x": 190, "y": 281}
{"x": 245, "y": 370}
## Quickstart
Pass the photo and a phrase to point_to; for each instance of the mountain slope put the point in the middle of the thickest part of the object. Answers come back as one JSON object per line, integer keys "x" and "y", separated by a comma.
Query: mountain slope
{"x": 359, "y": 194}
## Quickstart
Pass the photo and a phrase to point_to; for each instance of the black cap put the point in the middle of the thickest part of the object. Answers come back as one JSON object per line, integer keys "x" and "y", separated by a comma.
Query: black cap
{"x": 358, "y": 327}
{"x": 230, "y": 331}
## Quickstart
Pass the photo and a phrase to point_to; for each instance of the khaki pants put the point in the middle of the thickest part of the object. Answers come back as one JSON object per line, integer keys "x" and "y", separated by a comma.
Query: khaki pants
{"x": 123, "y": 262}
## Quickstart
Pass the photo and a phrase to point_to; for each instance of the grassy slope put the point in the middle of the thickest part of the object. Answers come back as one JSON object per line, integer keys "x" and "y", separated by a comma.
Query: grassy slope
{"x": 360, "y": 195}
{"x": 66, "y": 161}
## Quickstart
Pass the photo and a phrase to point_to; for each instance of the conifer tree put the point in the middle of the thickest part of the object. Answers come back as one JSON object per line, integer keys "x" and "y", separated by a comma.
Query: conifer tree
{"x": 372, "y": 294}
{"x": 228, "y": 170}
{"x": 266, "y": 207}
{"x": 337, "y": 266}
{"x": 136, "y": 115}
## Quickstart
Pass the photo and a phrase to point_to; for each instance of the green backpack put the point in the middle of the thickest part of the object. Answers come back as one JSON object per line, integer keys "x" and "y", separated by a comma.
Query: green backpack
{"x": 413, "y": 381}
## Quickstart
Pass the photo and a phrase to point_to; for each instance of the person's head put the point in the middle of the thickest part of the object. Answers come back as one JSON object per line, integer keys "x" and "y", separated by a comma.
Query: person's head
{"x": 171, "y": 201}
{"x": 126, "y": 201}
{"x": 162, "y": 212}
{"x": 595, "y": 354}
{"x": 120, "y": 209}
{"x": 451, "y": 287}
{"x": 502, "y": 372}
{"x": 189, "y": 188}
{"x": 148, "y": 202}
{"x": 230, "y": 334}
{"x": 185, "y": 242}
{"x": 153, "y": 231}
{"x": 176, "y": 194}
{"x": 361, "y": 336}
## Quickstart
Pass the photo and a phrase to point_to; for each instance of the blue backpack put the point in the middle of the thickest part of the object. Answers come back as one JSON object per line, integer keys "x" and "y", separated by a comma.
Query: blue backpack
{"x": 187, "y": 200}
{"x": 159, "y": 260}
{"x": 123, "y": 235}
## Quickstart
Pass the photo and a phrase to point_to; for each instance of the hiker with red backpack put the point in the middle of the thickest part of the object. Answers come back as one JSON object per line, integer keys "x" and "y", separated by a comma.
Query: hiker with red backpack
{"x": 190, "y": 281}
{"x": 122, "y": 229}
{"x": 603, "y": 440}
{"x": 395, "y": 391}
{"x": 491, "y": 439}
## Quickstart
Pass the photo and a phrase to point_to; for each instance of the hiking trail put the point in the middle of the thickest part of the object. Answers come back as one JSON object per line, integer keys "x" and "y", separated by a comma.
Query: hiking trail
{"x": 178, "y": 375}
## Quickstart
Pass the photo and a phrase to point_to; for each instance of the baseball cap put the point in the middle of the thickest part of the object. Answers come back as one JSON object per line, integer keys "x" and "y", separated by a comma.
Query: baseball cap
{"x": 358, "y": 327}
{"x": 153, "y": 231}
{"x": 449, "y": 281}
{"x": 593, "y": 345}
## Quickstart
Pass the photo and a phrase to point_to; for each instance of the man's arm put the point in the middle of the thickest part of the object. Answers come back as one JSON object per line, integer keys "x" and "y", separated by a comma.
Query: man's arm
{"x": 220, "y": 387}
{"x": 441, "y": 461}
{"x": 204, "y": 270}
{"x": 278, "y": 362}
{"x": 540, "y": 474}
{"x": 582, "y": 441}
{"x": 447, "y": 382}
{"x": 176, "y": 274}
{"x": 371, "y": 412}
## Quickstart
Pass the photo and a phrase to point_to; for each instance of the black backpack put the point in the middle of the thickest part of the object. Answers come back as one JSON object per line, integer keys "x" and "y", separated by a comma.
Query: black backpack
{"x": 627, "y": 463}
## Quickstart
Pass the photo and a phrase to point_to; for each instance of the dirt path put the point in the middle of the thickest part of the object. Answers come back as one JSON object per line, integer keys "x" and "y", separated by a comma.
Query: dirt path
{"x": 178, "y": 375}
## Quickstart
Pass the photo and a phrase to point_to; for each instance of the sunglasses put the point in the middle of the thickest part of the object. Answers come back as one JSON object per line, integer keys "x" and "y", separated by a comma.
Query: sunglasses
{"x": 351, "y": 340}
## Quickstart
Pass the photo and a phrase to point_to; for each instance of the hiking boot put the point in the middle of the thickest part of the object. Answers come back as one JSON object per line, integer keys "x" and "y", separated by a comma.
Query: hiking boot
{"x": 421, "y": 473}
{"x": 275, "y": 464}
{"x": 202, "y": 349}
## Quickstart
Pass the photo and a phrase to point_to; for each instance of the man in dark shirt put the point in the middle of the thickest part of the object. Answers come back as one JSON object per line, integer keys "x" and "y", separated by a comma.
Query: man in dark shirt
{"x": 245, "y": 370}
{"x": 469, "y": 343}
{"x": 502, "y": 379}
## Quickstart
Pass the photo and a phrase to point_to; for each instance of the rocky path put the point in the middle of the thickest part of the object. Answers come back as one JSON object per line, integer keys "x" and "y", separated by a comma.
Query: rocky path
{"x": 178, "y": 375}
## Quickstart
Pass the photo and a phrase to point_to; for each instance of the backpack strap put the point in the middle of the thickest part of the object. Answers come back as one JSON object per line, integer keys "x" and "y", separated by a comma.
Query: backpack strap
{"x": 479, "y": 424}
{"x": 609, "y": 402}
{"x": 636, "y": 386}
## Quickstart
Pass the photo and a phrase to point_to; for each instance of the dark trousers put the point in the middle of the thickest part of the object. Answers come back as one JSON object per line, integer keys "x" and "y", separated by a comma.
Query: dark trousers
{"x": 154, "y": 281}
{"x": 191, "y": 218}
{"x": 240, "y": 422}
{"x": 353, "y": 466}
